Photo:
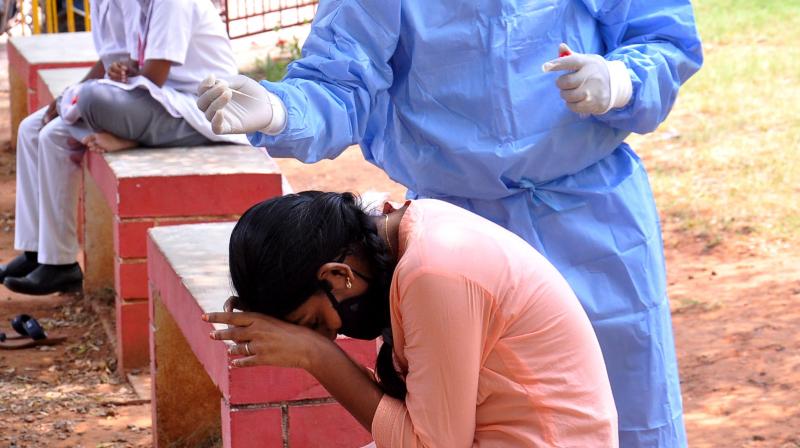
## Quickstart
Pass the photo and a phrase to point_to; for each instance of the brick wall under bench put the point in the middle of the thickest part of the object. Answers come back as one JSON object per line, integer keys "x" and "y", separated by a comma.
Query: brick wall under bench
{"x": 128, "y": 192}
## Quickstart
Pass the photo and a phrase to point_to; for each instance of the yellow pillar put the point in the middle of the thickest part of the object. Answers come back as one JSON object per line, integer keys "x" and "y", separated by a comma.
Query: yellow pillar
{"x": 51, "y": 17}
{"x": 54, "y": 9}
{"x": 70, "y": 16}
{"x": 87, "y": 20}
{"x": 35, "y": 16}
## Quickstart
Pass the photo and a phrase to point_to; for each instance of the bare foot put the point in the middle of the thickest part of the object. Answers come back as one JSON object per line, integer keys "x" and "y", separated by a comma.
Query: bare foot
{"x": 105, "y": 142}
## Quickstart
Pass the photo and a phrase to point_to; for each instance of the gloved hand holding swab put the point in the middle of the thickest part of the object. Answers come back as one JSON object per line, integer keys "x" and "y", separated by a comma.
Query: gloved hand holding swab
{"x": 593, "y": 84}
{"x": 239, "y": 106}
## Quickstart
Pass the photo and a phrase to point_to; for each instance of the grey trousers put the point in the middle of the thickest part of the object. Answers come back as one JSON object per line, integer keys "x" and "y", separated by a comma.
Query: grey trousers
{"x": 134, "y": 115}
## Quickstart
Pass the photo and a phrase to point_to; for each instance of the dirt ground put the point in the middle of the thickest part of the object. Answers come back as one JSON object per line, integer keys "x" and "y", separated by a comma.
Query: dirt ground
{"x": 734, "y": 301}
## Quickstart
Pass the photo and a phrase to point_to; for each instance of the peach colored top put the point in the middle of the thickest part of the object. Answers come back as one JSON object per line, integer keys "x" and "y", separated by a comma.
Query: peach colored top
{"x": 496, "y": 349}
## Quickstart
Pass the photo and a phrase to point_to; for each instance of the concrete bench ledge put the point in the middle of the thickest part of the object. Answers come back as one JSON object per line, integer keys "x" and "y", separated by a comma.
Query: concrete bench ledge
{"x": 261, "y": 406}
{"x": 55, "y": 49}
{"x": 182, "y": 181}
{"x": 128, "y": 192}
{"x": 27, "y": 55}
{"x": 52, "y": 82}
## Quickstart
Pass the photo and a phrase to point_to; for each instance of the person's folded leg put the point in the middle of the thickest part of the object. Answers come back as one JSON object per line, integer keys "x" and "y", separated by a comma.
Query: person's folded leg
{"x": 134, "y": 115}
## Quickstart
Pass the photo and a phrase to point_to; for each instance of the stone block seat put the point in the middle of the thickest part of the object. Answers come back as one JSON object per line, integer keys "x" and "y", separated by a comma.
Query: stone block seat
{"x": 51, "y": 83}
{"x": 27, "y": 55}
{"x": 196, "y": 396}
{"x": 127, "y": 192}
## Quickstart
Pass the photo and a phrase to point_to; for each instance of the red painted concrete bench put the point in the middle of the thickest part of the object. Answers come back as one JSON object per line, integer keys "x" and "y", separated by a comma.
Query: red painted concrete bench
{"x": 29, "y": 54}
{"x": 197, "y": 397}
{"x": 127, "y": 192}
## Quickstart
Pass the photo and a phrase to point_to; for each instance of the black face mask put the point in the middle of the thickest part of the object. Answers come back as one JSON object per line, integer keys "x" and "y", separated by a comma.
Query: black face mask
{"x": 364, "y": 316}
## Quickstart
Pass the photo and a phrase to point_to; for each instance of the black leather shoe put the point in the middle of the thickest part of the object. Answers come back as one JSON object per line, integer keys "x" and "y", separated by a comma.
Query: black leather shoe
{"x": 21, "y": 266}
{"x": 48, "y": 279}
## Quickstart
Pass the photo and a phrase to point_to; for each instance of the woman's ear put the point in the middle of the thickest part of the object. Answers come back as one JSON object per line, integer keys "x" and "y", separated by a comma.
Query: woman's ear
{"x": 338, "y": 275}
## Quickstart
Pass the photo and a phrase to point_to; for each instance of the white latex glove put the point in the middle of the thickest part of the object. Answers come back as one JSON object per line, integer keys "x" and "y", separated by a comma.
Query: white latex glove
{"x": 240, "y": 106}
{"x": 594, "y": 85}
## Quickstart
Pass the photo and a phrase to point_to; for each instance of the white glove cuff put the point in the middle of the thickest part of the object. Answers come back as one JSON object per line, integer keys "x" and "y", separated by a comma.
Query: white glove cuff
{"x": 278, "y": 122}
{"x": 621, "y": 85}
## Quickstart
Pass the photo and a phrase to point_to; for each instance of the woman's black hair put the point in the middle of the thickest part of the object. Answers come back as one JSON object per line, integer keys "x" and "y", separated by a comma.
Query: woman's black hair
{"x": 278, "y": 246}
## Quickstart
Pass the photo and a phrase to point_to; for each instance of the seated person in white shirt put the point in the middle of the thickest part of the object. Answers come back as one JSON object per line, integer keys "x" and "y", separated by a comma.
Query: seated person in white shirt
{"x": 150, "y": 102}
{"x": 171, "y": 45}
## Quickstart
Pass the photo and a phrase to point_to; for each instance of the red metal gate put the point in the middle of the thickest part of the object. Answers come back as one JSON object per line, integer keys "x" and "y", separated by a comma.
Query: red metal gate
{"x": 247, "y": 17}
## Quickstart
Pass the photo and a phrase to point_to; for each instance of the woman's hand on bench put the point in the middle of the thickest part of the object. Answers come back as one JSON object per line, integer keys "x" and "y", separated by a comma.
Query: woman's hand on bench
{"x": 264, "y": 340}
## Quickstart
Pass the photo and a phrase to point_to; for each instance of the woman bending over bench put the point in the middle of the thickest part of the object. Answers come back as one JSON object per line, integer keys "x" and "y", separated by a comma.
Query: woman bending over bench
{"x": 484, "y": 341}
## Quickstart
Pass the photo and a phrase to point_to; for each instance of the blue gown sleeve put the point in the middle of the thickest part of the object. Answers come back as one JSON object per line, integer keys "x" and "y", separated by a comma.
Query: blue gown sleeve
{"x": 329, "y": 92}
{"x": 658, "y": 42}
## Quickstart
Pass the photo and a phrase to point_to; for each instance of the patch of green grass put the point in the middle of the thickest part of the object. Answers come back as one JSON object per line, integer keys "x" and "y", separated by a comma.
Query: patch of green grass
{"x": 274, "y": 69}
{"x": 728, "y": 158}
{"x": 742, "y": 21}
{"x": 269, "y": 69}
{"x": 690, "y": 302}
{"x": 686, "y": 304}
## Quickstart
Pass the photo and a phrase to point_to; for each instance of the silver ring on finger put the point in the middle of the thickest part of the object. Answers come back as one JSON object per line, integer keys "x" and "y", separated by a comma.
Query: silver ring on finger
{"x": 247, "y": 349}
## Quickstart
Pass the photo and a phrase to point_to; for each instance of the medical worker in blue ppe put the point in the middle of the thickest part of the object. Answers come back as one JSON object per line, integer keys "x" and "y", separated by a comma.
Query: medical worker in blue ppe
{"x": 468, "y": 102}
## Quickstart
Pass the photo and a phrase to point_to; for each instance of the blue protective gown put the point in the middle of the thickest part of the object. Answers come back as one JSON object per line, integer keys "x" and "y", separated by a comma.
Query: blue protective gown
{"x": 448, "y": 97}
